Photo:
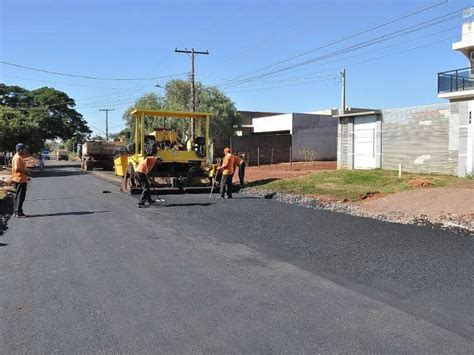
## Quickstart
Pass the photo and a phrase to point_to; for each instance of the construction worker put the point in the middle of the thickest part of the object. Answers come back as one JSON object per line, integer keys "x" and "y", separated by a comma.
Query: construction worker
{"x": 20, "y": 176}
{"x": 40, "y": 162}
{"x": 143, "y": 169}
{"x": 227, "y": 168}
{"x": 240, "y": 163}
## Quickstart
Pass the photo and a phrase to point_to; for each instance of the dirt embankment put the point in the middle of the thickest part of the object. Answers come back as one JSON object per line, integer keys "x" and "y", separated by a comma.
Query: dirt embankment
{"x": 6, "y": 210}
{"x": 285, "y": 170}
{"x": 453, "y": 203}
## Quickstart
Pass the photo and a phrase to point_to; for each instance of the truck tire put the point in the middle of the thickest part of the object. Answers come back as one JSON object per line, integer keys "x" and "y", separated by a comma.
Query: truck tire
{"x": 88, "y": 166}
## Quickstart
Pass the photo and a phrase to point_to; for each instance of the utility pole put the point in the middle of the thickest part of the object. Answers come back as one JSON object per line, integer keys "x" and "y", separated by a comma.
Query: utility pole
{"x": 343, "y": 80}
{"x": 193, "y": 53}
{"x": 106, "y": 110}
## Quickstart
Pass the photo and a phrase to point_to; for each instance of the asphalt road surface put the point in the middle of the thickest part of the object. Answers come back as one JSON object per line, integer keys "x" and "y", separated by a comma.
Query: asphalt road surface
{"x": 88, "y": 272}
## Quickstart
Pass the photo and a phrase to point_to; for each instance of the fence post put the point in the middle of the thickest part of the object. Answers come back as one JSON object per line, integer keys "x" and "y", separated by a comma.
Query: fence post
{"x": 248, "y": 158}
{"x": 258, "y": 156}
{"x": 271, "y": 159}
{"x": 291, "y": 159}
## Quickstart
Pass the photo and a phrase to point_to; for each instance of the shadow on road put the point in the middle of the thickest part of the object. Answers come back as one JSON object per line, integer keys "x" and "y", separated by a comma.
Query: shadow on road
{"x": 78, "y": 213}
{"x": 3, "y": 244}
{"x": 68, "y": 197}
{"x": 187, "y": 204}
{"x": 57, "y": 173}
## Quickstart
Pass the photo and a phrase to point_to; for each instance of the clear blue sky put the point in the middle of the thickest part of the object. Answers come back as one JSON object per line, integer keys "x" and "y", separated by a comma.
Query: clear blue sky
{"x": 130, "y": 39}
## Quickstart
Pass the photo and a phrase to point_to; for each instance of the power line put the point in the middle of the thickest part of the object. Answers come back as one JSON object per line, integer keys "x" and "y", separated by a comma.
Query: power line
{"x": 307, "y": 76}
{"x": 339, "y": 40}
{"x": 86, "y": 76}
{"x": 302, "y": 70}
{"x": 334, "y": 42}
{"x": 58, "y": 82}
{"x": 285, "y": 86}
{"x": 350, "y": 64}
{"x": 376, "y": 40}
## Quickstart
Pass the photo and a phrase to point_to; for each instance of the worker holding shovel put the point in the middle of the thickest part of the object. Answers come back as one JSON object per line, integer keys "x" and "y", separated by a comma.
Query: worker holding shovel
{"x": 143, "y": 169}
{"x": 240, "y": 163}
{"x": 227, "y": 169}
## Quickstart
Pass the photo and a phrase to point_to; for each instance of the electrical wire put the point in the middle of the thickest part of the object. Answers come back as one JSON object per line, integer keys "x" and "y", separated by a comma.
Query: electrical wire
{"x": 310, "y": 75}
{"x": 357, "y": 46}
{"x": 86, "y": 76}
{"x": 352, "y": 64}
{"x": 407, "y": 30}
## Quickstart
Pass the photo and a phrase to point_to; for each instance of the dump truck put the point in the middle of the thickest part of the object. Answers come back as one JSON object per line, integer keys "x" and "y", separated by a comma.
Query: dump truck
{"x": 99, "y": 154}
{"x": 182, "y": 148}
{"x": 62, "y": 154}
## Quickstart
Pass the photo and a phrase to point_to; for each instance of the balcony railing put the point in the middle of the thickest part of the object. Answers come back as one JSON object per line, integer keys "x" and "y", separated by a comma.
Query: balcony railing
{"x": 455, "y": 80}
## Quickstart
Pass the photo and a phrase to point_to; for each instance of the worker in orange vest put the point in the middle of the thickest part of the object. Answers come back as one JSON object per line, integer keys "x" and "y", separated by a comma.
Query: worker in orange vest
{"x": 227, "y": 168}
{"x": 240, "y": 163}
{"x": 20, "y": 176}
{"x": 142, "y": 172}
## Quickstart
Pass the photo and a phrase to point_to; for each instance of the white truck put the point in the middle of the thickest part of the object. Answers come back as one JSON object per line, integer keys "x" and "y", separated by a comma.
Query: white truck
{"x": 98, "y": 154}
{"x": 62, "y": 154}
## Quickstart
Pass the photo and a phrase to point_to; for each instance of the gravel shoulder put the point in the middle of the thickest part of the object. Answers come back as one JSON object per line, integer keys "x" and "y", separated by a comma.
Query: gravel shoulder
{"x": 397, "y": 208}
{"x": 432, "y": 202}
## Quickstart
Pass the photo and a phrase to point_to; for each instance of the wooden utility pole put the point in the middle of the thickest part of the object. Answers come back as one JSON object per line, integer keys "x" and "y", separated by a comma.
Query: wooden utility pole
{"x": 106, "y": 110}
{"x": 193, "y": 53}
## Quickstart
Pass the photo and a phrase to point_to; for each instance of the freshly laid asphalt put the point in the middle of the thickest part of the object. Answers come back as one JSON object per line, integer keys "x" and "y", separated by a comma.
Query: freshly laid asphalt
{"x": 88, "y": 272}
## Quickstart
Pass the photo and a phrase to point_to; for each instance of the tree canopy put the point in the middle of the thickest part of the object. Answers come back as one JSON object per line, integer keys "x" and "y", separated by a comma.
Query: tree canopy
{"x": 32, "y": 117}
{"x": 177, "y": 97}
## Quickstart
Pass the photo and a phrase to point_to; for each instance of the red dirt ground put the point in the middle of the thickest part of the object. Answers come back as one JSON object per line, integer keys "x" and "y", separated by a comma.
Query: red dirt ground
{"x": 284, "y": 170}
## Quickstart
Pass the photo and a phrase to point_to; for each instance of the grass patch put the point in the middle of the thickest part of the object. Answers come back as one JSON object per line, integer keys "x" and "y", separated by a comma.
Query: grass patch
{"x": 352, "y": 184}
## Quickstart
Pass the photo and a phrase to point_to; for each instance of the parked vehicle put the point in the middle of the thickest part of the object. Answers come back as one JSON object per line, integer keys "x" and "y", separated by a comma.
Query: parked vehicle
{"x": 63, "y": 154}
{"x": 46, "y": 155}
{"x": 99, "y": 154}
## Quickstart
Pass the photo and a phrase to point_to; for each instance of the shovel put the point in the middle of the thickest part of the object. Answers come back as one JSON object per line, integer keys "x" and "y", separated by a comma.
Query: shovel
{"x": 212, "y": 188}
{"x": 214, "y": 180}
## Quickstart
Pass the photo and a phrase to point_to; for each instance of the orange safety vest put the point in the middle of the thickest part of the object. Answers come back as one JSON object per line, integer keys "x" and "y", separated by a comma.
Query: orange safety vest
{"x": 146, "y": 165}
{"x": 237, "y": 161}
{"x": 228, "y": 164}
{"x": 18, "y": 162}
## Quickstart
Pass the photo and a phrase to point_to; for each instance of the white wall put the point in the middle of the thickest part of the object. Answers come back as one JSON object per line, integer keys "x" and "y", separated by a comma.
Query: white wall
{"x": 273, "y": 123}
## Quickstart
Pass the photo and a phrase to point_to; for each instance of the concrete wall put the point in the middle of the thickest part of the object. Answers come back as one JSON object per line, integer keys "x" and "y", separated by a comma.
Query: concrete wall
{"x": 314, "y": 136}
{"x": 269, "y": 147}
{"x": 422, "y": 138}
{"x": 425, "y": 139}
{"x": 462, "y": 110}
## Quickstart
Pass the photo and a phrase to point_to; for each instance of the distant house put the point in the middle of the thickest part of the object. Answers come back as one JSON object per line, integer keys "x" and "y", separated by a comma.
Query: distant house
{"x": 246, "y": 118}
{"x": 291, "y": 136}
{"x": 431, "y": 138}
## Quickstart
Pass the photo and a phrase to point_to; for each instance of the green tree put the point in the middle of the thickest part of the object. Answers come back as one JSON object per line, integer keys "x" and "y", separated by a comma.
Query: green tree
{"x": 177, "y": 97}
{"x": 32, "y": 117}
{"x": 123, "y": 135}
{"x": 150, "y": 101}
